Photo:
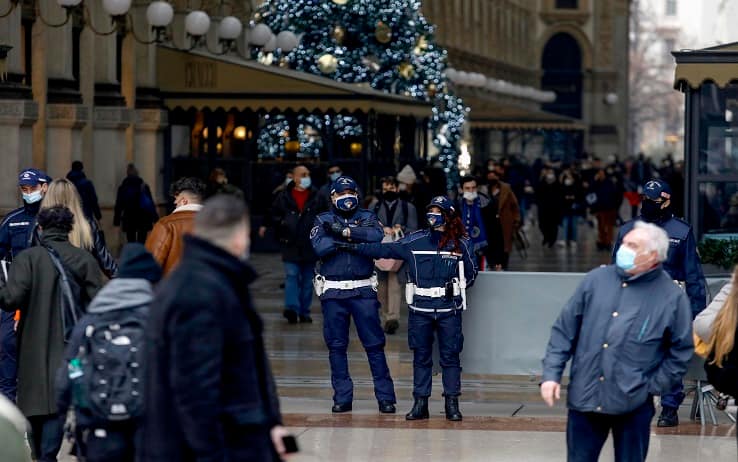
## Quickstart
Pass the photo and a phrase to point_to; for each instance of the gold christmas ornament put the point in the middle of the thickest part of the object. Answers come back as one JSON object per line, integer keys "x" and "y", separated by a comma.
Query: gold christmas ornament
{"x": 327, "y": 63}
{"x": 406, "y": 71}
{"x": 383, "y": 33}
{"x": 421, "y": 45}
{"x": 371, "y": 62}
{"x": 340, "y": 2}
{"x": 284, "y": 62}
{"x": 292, "y": 147}
{"x": 355, "y": 148}
{"x": 339, "y": 33}
{"x": 432, "y": 90}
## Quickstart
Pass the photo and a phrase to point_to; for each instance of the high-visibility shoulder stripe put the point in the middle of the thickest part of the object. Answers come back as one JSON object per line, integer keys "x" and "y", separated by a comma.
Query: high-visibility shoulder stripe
{"x": 435, "y": 252}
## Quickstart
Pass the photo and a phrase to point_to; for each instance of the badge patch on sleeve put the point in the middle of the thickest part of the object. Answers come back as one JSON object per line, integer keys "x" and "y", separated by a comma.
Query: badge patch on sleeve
{"x": 313, "y": 232}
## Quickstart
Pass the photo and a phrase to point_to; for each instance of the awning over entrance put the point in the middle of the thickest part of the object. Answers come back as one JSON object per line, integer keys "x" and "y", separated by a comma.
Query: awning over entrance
{"x": 199, "y": 80}
{"x": 490, "y": 113}
{"x": 717, "y": 64}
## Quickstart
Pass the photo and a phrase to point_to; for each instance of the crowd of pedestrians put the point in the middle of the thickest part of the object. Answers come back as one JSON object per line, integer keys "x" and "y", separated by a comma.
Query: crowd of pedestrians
{"x": 112, "y": 341}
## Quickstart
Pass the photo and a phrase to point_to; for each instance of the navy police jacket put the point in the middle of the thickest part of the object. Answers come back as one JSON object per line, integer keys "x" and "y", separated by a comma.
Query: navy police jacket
{"x": 341, "y": 265}
{"x": 428, "y": 266}
{"x": 683, "y": 261}
{"x": 17, "y": 230}
{"x": 628, "y": 337}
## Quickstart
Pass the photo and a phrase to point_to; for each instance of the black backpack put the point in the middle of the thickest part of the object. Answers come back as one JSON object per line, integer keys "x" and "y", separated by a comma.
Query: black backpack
{"x": 109, "y": 383}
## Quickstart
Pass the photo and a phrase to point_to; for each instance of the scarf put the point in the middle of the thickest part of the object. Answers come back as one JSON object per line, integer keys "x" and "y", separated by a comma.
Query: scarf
{"x": 472, "y": 216}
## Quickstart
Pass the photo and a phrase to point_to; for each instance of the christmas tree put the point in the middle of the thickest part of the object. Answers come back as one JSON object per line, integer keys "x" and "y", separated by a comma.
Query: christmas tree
{"x": 385, "y": 43}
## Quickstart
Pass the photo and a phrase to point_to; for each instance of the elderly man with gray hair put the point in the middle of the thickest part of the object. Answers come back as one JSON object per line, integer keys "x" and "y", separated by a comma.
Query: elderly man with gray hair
{"x": 628, "y": 332}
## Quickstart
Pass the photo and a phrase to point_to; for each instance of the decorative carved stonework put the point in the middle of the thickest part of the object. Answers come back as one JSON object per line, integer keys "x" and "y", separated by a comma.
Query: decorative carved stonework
{"x": 18, "y": 112}
{"x": 111, "y": 117}
{"x": 66, "y": 115}
{"x": 606, "y": 26}
{"x": 151, "y": 119}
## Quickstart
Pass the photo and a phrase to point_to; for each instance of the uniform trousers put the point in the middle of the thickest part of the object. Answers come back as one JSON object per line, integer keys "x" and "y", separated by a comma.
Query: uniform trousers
{"x": 8, "y": 356}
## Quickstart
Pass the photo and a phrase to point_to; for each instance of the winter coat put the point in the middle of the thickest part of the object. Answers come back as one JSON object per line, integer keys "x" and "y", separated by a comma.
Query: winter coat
{"x": 33, "y": 288}
{"x": 167, "y": 238}
{"x": 128, "y": 212}
{"x": 86, "y": 190}
{"x": 608, "y": 197}
{"x": 17, "y": 230}
{"x": 628, "y": 337}
{"x": 292, "y": 227}
{"x": 100, "y": 250}
{"x": 725, "y": 378}
{"x": 408, "y": 223}
{"x": 508, "y": 212}
{"x": 209, "y": 388}
{"x": 703, "y": 322}
{"x": 117, "y": 295}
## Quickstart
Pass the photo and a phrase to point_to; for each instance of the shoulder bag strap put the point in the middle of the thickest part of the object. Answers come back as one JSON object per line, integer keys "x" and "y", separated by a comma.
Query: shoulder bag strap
{"x": 65, "y": 287}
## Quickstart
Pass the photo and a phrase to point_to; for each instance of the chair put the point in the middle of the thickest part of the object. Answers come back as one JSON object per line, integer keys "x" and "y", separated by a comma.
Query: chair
{"x": 705, "y": 395}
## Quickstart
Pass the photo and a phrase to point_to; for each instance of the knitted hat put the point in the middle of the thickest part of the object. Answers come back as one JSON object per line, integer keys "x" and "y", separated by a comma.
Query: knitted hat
{"x": 406, "y": 175}
{"x": 137, "y": 263}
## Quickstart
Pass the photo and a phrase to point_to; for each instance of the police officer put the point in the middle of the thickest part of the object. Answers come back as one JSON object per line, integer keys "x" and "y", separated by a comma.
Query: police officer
{"x": 17, "y": 234}
{"x": 346, "y": 285}
{"x": 682, "y": 264}
{"x": 441, "y": 266}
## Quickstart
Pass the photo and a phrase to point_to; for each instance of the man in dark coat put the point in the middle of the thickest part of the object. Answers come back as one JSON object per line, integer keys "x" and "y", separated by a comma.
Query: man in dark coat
{"x": 210, "y": 394}
{"x": 135, "y": 211}
{"x": 86, "y": 190}
{"x": 292, "y": 215}
{"x": 33, "y": 288}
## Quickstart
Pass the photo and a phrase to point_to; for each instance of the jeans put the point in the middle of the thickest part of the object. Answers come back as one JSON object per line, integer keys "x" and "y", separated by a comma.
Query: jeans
{"x": 337, "y": 314}
{"x": 298, "y": 287}
{"x": 8, "y": 356}
{"x": 569, "y": 228}
{"x": 674, "y": 397}
{"x": 586, "y": 433}
{"x": 47, "y": 433}
{"x": 422, "y": 328}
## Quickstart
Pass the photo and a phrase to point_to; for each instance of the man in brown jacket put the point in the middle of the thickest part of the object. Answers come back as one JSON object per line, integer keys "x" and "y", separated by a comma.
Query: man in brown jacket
{"x": 166, "y": 239}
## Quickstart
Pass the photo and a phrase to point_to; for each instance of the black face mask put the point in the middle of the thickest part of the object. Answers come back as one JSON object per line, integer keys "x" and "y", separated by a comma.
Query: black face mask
{"x": 390, "y": 196}
{"x": 652, "y": 212}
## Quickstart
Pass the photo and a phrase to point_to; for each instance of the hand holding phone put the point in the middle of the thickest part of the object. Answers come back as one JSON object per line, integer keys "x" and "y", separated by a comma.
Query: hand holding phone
{"x": 283, "y": 442}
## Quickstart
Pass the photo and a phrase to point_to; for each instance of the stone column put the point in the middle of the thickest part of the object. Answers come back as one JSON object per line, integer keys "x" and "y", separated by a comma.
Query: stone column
{"x": 16, "y": 118}
{"x": 149, "y": 149}
{"x": 63, "y": 131}
{"x": 12, "y": 83}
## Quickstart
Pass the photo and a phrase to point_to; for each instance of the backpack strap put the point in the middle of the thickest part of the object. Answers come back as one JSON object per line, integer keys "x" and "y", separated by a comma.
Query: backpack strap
{"x": 65, "y": 287}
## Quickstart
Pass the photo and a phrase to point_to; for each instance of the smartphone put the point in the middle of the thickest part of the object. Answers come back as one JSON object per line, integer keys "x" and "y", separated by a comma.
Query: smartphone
{"x": 290, "y": 444}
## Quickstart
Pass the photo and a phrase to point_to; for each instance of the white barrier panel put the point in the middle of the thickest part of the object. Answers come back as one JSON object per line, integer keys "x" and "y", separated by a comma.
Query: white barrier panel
{"x": 509, "y": 319}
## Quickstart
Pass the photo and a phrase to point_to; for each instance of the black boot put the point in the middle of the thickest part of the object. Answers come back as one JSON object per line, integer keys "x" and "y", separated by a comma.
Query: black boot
{"x": 452, "y": 409}
{"x": 419, "y": 410}
{"x": 668, "y": 418}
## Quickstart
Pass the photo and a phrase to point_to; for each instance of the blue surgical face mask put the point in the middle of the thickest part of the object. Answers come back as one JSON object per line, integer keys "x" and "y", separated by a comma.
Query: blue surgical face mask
{"x": 32, "y": 198}
{"x": 625, "y": 258}
{"x": 336, "y": 175}
{"x": 305, "y": 182}
{"x": 347, "y": 202}
{"x": 435, "y": 220}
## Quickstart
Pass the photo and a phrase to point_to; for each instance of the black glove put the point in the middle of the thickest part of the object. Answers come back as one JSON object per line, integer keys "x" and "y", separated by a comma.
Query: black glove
{"x": 334, "y": 228}
{"x": 345, "y": 246}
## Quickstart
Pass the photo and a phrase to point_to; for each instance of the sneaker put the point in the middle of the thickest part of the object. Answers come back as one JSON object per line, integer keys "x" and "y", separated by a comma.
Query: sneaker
{"x": 391, "y": 326}
{"x": 291, "y": 316}
{"x": 560, "y": 243}
{"x": 668, "y": 417}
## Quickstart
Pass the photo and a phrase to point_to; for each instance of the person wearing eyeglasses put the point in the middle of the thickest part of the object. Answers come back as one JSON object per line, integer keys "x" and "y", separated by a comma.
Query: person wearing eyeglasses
{"x": 682, "y": 263}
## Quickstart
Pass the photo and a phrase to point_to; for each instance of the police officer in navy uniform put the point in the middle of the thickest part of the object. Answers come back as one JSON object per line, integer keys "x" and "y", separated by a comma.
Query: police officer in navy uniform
{"x": 441, "y": 266}
{"x": 682, "y": 264}
{"x": 346, "y": 285}
{"x": 17, "y": 234}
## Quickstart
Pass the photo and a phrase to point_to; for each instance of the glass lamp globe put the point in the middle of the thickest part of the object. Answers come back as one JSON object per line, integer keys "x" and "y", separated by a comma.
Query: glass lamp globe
{"x": 116, "y": 7}
{"x": 287, "y": 41}
{"x": 68, "y": 3}
{"x": 271, "y": 44}
{"x": 230, "y": 28}
{"x": 260, "y": 35}
{"x": 197, "y": 23}
{"x": 159, "y": 14}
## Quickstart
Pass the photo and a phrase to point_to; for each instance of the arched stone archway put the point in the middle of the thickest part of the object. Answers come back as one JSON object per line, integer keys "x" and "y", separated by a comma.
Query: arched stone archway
{"x": 561, "y": 63}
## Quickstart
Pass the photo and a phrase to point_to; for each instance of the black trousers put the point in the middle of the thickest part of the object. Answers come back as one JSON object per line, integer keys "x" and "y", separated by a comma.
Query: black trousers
{"x": 47, "y": 433}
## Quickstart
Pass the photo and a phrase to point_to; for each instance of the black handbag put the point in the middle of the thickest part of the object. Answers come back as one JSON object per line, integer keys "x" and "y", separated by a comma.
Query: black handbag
{"x": 70, "y": 300}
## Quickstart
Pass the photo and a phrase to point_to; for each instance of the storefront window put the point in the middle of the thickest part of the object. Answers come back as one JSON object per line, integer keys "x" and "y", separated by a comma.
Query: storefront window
{"x": 718, "y": 140}
{"x": 718, "y": 207}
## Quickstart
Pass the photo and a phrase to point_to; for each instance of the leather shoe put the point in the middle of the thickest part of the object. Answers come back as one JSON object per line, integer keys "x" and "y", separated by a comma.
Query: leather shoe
{"x": 291, "y": 316}
{"x": 306, "y": 319}
{"x": 341, "y": 407}
{"x": 419, "y": 410}
{"x": 386, "y": 407}
{"x": 668, "y": 418}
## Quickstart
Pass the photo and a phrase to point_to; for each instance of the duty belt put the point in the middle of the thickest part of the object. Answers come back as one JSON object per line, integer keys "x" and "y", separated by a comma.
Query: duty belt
{"x": 348, "y": 285}
{"x": 432, "y": 292}
{"x": 432, "y": 310}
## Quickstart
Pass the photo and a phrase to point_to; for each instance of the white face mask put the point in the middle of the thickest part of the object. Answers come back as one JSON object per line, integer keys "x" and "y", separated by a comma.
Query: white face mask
{"x": 470, "y": 195}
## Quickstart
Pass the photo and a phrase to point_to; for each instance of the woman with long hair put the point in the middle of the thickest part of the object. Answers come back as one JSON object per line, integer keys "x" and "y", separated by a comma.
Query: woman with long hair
{"x": 441, "y": 265}
{"x": 85, "y": 232}
{"x": 722, "y": 354}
